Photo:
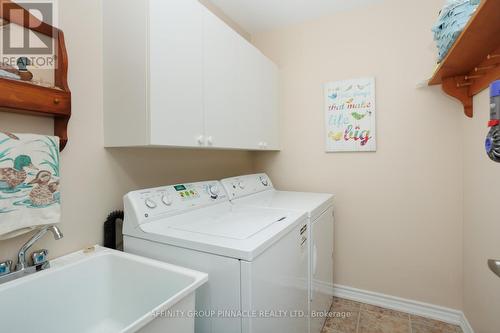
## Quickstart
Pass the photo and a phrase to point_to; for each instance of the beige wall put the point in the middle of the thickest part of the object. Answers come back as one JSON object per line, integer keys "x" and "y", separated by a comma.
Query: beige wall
{"x": 94, "y": 179}
{"x": 399, "y": 210}
{"x": 481, "y": 223}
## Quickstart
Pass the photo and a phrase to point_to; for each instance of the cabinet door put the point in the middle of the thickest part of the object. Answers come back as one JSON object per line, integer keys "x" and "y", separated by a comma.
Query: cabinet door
{"x": 176, "y": 72}
{"x": 229, "y": 82}
{"x": 268, "y": 107}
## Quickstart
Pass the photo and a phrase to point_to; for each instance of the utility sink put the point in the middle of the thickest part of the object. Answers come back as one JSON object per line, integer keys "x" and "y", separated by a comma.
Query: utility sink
{"x": 101, "y": 291}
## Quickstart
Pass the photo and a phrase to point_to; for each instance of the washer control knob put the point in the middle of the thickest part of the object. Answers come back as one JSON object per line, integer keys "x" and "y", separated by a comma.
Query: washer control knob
{"x": 150, "y": 203}
{"x": 241, "y": 184}
{"x": 214, "y": 191}
{"x": 166, "y": 200}
{"x": 264, "y": 181}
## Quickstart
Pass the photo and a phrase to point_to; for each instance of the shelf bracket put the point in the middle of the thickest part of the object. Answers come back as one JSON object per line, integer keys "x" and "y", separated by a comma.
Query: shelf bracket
{"x": 456, "y": 88}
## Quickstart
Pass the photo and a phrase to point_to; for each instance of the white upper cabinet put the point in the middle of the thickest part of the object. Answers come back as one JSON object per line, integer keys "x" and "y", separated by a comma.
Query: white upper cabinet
{"x": 268, "y": 104}
{"x": 231, "y": 120}
{"x": 177, "y": 75}
{"x": 175, "y": 72}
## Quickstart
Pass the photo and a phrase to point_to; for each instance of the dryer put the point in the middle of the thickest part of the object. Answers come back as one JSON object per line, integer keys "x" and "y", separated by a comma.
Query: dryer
{"x": 258, "y": 191}
{"x": 256, "y": 258}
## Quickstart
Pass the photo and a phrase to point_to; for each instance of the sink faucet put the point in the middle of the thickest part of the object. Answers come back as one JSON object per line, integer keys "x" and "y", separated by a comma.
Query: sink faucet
{"x": 21, "y": 257}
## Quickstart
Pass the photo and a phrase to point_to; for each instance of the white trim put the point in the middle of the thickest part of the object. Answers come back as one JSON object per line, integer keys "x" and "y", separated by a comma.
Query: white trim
{"x": 465, "y": 325}
{"x": 427, "y": 310}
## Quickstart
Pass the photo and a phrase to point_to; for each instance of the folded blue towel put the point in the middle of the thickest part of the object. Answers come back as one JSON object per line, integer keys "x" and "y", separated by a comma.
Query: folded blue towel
{"x": 452, "y": 20}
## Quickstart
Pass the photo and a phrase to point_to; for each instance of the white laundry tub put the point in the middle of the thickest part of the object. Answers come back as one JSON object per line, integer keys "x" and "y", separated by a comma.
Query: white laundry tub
{"x": 104, "y": 291}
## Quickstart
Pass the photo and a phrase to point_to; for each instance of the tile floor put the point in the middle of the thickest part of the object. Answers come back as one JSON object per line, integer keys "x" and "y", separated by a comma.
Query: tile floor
{"x": 353, "y": 317}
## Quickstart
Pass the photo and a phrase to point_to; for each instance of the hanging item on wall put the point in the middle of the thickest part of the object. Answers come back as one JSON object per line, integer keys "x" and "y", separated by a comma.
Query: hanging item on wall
{"x": 492, "y": 143}
{"x": 350, "y": 115}
{"x": 29, "y": 183}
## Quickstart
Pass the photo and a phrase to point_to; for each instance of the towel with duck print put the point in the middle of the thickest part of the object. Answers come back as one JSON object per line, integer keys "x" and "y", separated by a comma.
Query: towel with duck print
{"x": 29, "y": 183}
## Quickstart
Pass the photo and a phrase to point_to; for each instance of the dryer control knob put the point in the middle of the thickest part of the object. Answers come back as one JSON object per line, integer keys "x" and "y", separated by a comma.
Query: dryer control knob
{"x": 166, "y": 200}
{"x": 264, "y": 181}
{"x": 150, "y": 203}
{"x": 241, "y": 185}
{"x": 214, "y": 191}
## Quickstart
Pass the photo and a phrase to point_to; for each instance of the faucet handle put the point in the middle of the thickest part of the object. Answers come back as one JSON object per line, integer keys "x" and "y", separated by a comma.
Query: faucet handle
{"x": 40, "y": 257}
{"x": 5, "y": 267}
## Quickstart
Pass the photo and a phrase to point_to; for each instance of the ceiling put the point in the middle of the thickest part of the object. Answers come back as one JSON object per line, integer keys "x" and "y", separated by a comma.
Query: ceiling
{"x": 262, "y": 15}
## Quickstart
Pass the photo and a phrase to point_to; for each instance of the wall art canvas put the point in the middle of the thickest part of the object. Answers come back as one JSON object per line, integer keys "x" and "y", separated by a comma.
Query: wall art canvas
{"x": 350, "y": 115}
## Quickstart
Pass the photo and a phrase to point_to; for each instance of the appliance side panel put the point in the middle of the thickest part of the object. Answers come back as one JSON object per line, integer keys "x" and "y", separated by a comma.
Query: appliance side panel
{"x": 321, "y": 268}
{"x": 246, "y": 295}
{"x": 220, "y": 293}
{"x": 276, "y": 286}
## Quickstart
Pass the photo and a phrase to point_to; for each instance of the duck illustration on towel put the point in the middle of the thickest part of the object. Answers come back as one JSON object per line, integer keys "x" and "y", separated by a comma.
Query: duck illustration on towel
{"x": 11, "y": 177}
{"x": 29, "y": 172}
{"x": 29, "y": 183}
{"x": 43, "y": 191}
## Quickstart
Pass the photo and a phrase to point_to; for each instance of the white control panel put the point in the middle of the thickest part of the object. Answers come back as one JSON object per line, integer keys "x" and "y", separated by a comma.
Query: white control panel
{"x": 149, "y": 204}
{"x": 241, "y": 186}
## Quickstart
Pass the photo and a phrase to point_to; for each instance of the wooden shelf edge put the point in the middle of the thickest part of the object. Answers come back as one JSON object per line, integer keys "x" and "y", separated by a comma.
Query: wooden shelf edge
{"x": 34, "y": 99}
{"x": 473, "y": 61}
{"x": 479, "y": 38}
{"x": 28, "y": 98}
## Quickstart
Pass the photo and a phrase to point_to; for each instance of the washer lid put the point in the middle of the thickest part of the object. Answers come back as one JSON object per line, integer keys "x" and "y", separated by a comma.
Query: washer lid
{"x": 234, "y": 231}
{"x": 239, "y": 223}
{"x": 314, "y": 204}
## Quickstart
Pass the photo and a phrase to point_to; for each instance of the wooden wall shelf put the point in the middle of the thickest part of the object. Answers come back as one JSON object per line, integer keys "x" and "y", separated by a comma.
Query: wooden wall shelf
{"x": 29, "y": 98}
{"x": 474, "y": 60}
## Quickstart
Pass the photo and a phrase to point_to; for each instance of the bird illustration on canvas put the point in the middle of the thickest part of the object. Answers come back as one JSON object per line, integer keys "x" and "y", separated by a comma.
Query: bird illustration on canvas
{"x": 358, "y": 116}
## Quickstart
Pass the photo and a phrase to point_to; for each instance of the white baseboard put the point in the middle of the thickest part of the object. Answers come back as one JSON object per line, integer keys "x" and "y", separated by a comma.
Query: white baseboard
{"x": 447, "y": 315}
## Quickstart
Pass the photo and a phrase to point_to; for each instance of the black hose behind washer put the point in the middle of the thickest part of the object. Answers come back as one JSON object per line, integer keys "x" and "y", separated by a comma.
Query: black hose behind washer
{"x": 113, "y": 230}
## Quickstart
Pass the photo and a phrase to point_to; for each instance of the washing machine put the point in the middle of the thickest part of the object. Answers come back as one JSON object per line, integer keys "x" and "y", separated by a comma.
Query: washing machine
{"x": 256, "y": 258}
{"x": 258, "y": 191}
